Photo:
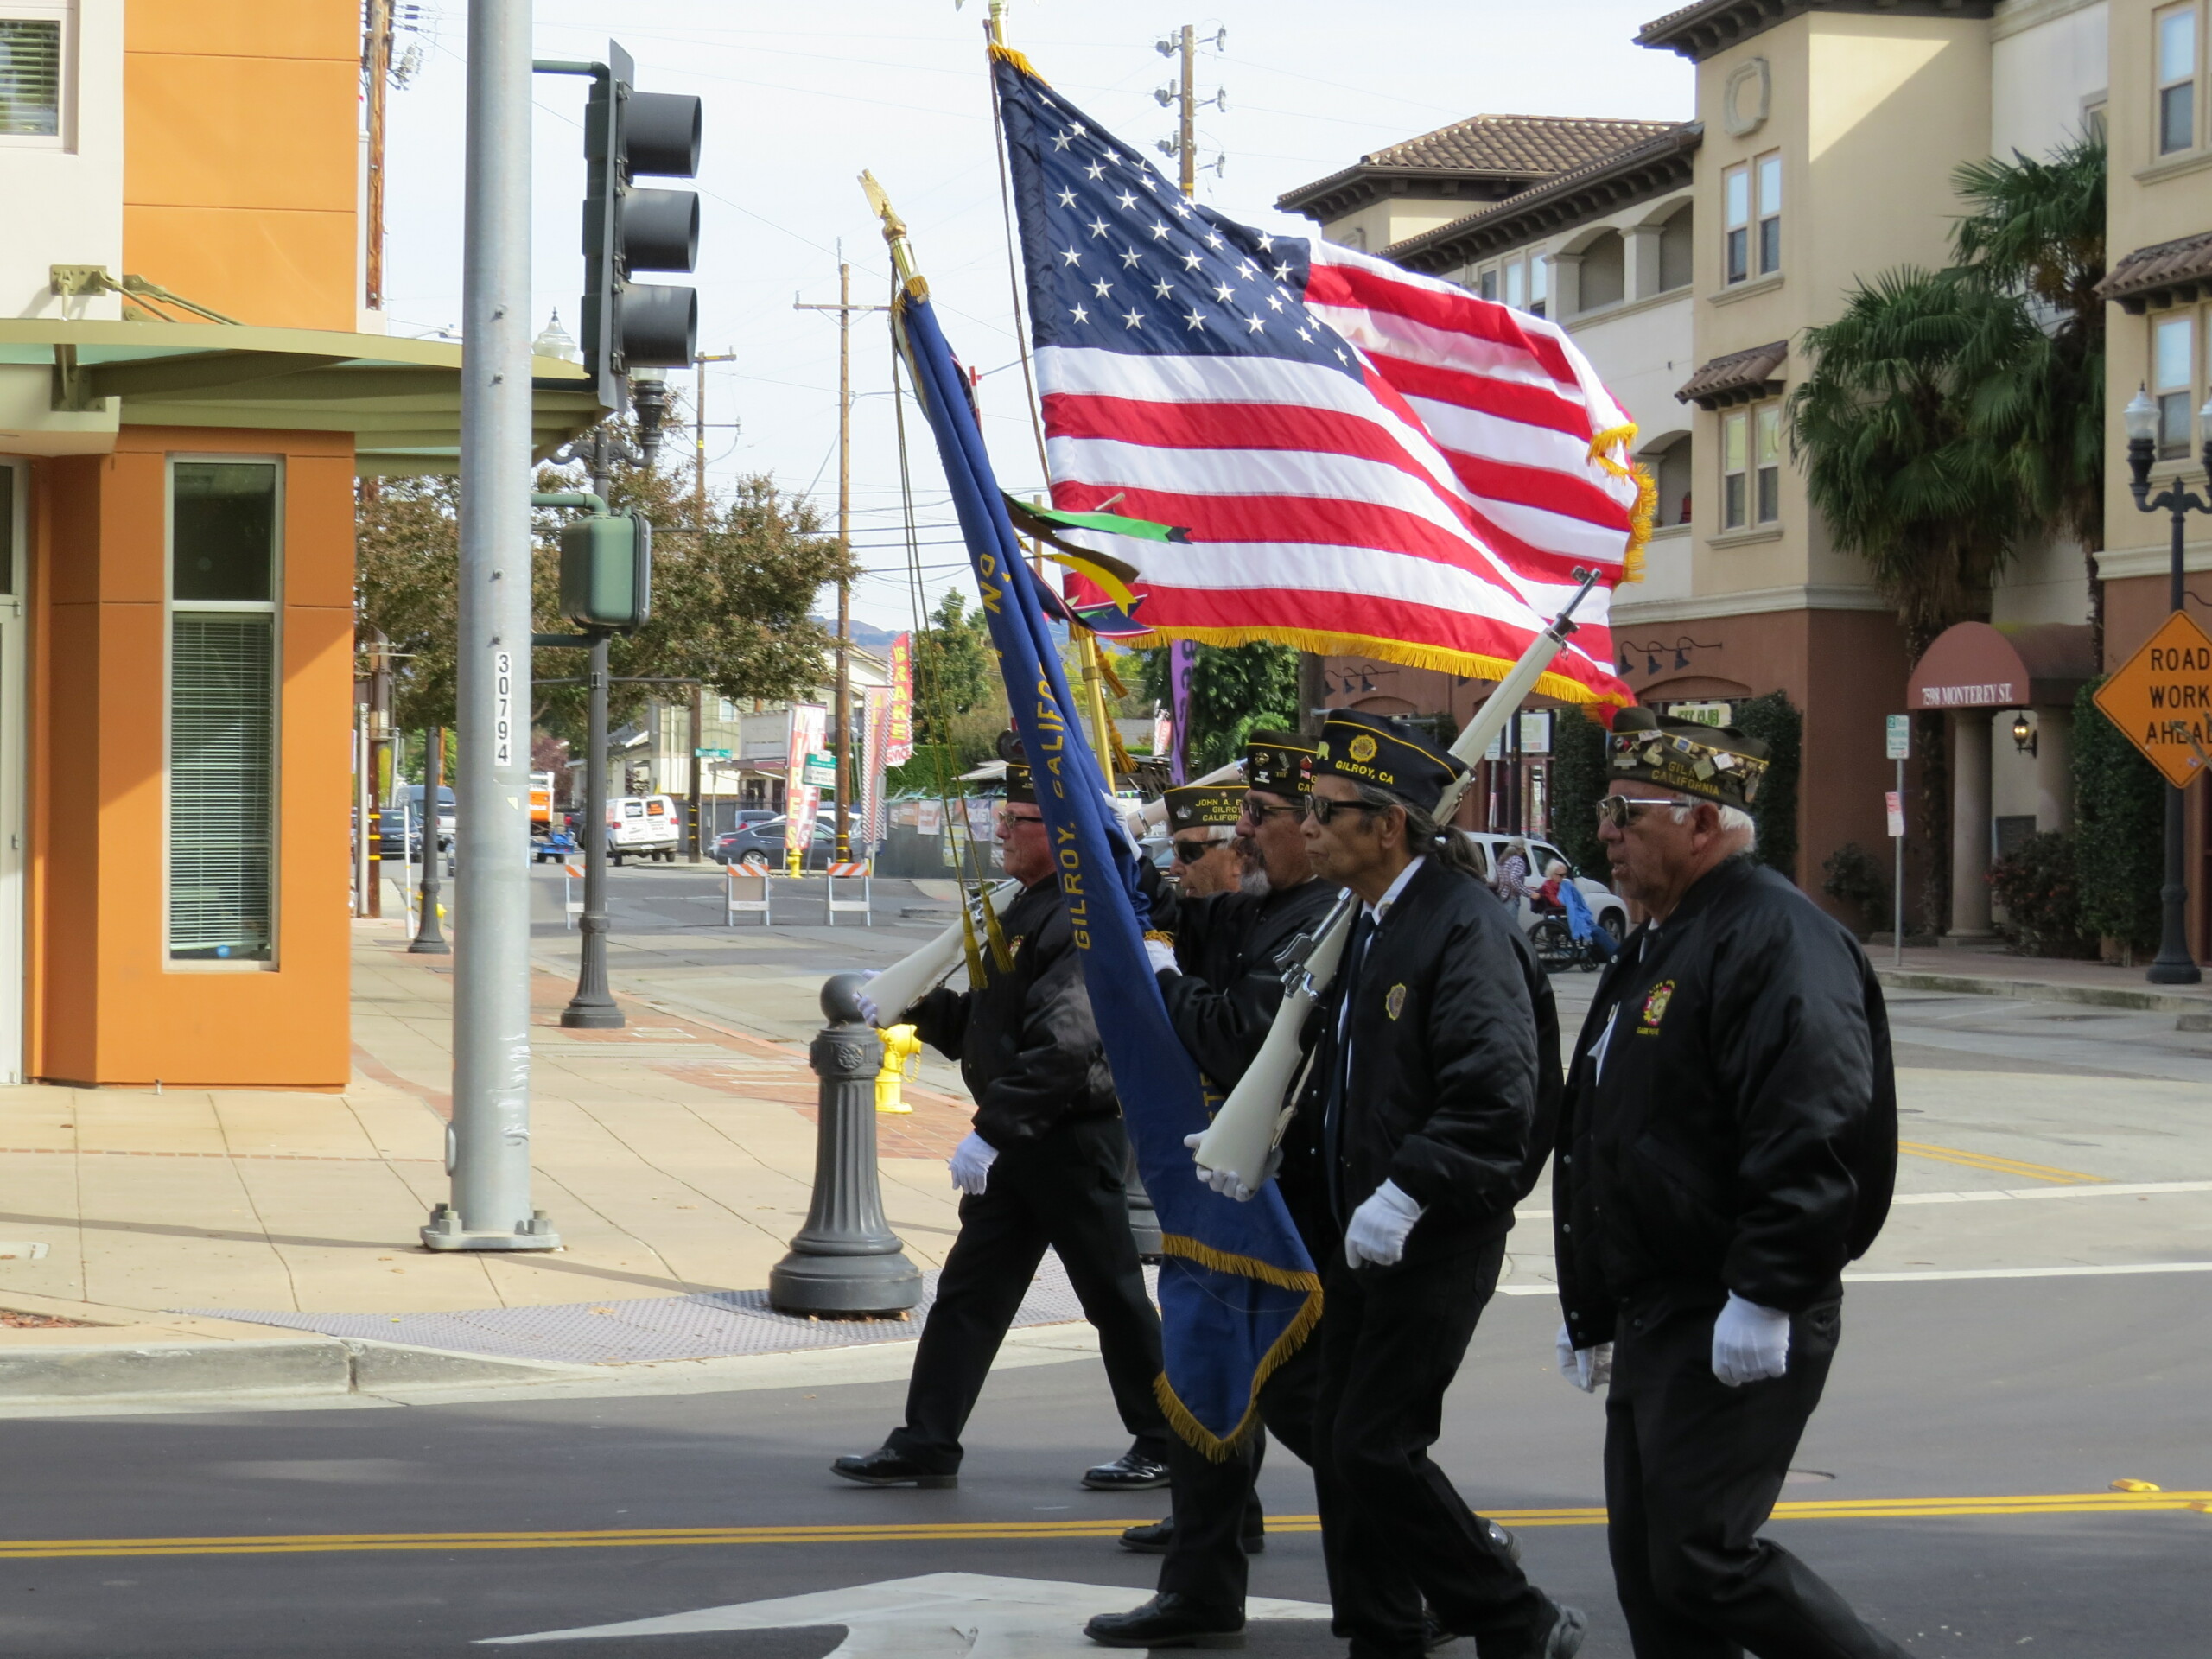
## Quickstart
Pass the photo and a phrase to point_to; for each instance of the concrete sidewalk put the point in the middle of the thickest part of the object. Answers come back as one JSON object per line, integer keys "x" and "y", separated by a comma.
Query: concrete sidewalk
{"x": 2036, "y": 979}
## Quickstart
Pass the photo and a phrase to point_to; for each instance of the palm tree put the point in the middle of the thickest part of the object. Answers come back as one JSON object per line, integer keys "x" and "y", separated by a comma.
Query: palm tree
{"x": 1896, "y": 466}
{"x": 2036, "y": 231}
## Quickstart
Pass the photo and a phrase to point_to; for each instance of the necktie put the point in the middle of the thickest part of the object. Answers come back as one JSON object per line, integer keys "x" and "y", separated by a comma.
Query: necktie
{"x": 1332, "y": 1117}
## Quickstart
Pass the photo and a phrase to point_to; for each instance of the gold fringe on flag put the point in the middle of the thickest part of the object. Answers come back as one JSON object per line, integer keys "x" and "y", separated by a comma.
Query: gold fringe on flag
{"x": 1645, "y": 513}
{"x": 1008, "y": 54}
{"x": 1215, "y": 1447}
{"x": 1322, "y": 643}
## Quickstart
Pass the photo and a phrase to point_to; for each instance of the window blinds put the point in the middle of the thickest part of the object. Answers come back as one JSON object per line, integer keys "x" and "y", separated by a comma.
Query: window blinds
{"x": 222, "y": 719}
{"x": 30, "y": 77}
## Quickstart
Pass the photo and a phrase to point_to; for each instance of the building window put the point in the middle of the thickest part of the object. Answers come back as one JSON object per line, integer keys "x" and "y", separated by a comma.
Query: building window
{"x": 30, "y": 74}
{"x": 1767, "y": 424}
{"x": 1540, "y": 284}
{"x": 1517, "y": 284}
{"x": 221, "y": 833}
{"x": 1736, "y": 203}
{"x": 728, "y": 710}
{"x": 2173, "y": 382}
{"x": 1751, "y": 467}
{"x": 2177, "y": 38}
{"x": 1770, "y": 181}
{"x": 1486, "y": 282}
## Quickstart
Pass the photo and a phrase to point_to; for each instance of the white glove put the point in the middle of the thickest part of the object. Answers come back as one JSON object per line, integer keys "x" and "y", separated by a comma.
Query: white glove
{"x": 866, "y": 1003}
{"x": 1586, "y": 1368}
{"x": 1750, "y": 1343}
{"x": 971, "y": 1163}
{"x": 1161, "y": 955}
{"x": 1225, "y": 1183}
{"x": 1379, "y": 1226}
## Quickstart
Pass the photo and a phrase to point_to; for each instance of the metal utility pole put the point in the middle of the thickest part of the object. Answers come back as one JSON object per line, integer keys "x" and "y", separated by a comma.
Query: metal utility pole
{"x": 841, "y": 717}
{"x": 1187, "y": 139}
{"x": 487, "y": 1148}
{"x": 699, "y": 528}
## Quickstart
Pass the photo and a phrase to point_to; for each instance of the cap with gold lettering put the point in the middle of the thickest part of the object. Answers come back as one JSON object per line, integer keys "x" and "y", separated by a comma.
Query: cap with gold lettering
{"x": 1386, "y": 753}
{"x": 1280, "y": 763}
{"x": 1204, "y": 806}
{"x": 1714, "y": 763}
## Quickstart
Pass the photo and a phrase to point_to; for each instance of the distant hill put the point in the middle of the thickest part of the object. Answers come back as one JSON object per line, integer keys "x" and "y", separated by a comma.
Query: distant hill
{"x": 866, "y": 635}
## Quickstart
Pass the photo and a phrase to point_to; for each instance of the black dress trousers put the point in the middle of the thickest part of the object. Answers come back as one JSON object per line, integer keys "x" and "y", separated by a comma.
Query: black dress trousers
{"x": 1063, "y": 1190}
{"x": 1693, "y": 1468}
{"x": 1214, "y": 1504}
{"x": 1391, "y": 1343}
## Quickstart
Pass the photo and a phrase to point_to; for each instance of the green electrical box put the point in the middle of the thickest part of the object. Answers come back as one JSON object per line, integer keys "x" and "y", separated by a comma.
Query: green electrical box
{"x": 606, "y": 571}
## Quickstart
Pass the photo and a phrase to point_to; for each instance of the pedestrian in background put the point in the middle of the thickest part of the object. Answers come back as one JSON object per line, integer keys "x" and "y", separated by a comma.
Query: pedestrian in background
{"x": 1730, "y": 1142}
{"x": 1043, "y": 1166}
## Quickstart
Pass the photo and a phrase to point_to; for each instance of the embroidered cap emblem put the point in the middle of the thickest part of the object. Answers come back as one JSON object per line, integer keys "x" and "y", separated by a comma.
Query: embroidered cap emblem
{"x": 1395, "y": 1004}
{"x": 1362, "y": 747}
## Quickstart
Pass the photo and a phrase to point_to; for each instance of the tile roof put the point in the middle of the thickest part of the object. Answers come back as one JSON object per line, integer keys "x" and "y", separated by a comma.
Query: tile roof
{"x": 2164, "y": 273}
{"x": 1698, "y": 31}
{"x": 1737, "y": 376}
{"x": 1527, "y": 146}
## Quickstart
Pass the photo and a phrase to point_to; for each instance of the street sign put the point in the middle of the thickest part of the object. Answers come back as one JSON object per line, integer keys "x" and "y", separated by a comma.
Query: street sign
{"x": 1704, "y": 714}
{"x": 710, "y": 754}
{"x": 2161, "y": 699}
{"x": 820, "y": 771}
{"x": 1897, "y": 729}
{"x": 1894, "y": 799}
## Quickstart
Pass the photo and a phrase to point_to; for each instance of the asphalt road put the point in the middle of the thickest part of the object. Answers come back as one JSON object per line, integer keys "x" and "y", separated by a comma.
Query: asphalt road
{"x": 1975, "y": 1389}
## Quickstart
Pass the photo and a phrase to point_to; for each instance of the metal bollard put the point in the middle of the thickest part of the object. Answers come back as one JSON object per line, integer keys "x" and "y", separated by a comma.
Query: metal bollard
{"x": 846, "y": 1261}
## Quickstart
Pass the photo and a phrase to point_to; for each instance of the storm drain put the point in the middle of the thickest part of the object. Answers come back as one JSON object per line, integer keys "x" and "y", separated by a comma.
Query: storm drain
{"x": 710, "y": 1325}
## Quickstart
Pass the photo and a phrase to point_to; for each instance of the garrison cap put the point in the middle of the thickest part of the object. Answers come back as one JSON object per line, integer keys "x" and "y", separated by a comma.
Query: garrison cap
{"x": 1714, "y": 763}
{"x": 1280, "y": 763}
{"x": 1386, "y": 753}
{"x": 1019, "y": 785}
{"x": 1204, "y": 806}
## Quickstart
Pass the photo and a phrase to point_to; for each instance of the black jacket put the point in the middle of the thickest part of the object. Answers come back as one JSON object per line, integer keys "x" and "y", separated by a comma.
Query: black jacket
{"x": 1230, "y": 946}
{"x": 1453, "y": 1067}
{"x": 1741, "y": 1133}
{"x": 1027, "y": 1045}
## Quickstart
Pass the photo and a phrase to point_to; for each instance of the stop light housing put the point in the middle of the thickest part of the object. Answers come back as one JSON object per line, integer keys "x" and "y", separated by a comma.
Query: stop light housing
{"x": 606, "y": 571}
{"x": 628, "y": 228}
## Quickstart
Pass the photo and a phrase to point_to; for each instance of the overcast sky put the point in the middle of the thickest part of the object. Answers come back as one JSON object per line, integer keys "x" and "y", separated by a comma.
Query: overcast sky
{"x": 898, "y": 86}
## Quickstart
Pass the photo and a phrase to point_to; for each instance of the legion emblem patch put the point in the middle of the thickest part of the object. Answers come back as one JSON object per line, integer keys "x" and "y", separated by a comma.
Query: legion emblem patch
{"x": 1363, "y": 748}
{"x": 1655, "y": 1007}
{"x": 1395, "y": 1004}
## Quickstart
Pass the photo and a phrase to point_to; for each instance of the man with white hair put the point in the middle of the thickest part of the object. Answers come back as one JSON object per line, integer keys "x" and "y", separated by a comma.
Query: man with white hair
{"x": 1730, "y": 1142}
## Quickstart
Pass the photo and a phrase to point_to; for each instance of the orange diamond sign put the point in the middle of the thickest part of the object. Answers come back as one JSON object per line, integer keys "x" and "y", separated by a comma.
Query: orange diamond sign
{"x": 2161, "y": 699}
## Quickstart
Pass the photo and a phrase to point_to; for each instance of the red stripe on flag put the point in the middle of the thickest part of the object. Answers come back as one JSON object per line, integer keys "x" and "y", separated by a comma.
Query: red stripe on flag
{"x": 1509, "y": 400}
{"x": 1457, "y": 314}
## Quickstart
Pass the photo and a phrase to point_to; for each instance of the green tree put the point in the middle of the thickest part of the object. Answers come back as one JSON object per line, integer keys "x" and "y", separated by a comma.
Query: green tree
{"x": 1577, "y": 780}
{"x": 2035, "y": 232}
{"x": 1235, "y": 691}
{"x": 407, "y": 542}
{"x": 1774, "y": 720}
{"x": 960, "y": 705}
{"x": 2120, "y": 816}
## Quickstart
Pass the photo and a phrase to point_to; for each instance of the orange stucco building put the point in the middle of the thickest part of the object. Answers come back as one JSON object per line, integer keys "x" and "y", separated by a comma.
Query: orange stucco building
{"x": 189, "y": 387}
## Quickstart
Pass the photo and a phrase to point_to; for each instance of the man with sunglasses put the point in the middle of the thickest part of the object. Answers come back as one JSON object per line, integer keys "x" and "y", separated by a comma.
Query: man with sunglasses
{"x": 1435, "y": 1087}
{"x": 1730, "y": 1142}
{"x": 1203, "y": 820}
{"x": 1223, "y": 982}
{"x": 1043, "y": 1166}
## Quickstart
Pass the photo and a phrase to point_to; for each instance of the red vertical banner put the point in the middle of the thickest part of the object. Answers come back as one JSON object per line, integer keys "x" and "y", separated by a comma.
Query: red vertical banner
{"x": 899, "y": 740}
{"x": 876, "y": 702}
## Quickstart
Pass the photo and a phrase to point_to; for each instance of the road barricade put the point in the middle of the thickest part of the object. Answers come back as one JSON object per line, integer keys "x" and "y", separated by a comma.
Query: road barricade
{"x": 850, "y": 872}
{"x": 735, "y": 904}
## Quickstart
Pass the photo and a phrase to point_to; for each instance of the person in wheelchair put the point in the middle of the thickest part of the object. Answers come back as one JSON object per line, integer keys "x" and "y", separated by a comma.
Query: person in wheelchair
{"x": 1544, "y": 898}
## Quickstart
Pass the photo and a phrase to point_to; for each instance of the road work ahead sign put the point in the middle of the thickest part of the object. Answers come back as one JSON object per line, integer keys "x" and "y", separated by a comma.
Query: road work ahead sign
{"x": 2162, "y": 699}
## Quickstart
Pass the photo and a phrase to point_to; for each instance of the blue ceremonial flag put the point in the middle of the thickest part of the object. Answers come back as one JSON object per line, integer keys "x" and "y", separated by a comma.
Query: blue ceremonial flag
{"x": 1237, "y": 1292}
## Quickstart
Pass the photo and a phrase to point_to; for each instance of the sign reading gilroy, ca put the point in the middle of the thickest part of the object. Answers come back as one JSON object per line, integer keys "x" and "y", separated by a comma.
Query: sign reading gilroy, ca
{"x": 2162, "y": 699}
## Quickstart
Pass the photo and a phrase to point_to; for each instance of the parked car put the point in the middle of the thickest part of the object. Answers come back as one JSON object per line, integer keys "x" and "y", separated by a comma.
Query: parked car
{"x": 1611, "y": 913}
{"x": 762, "y": 844}
{"x": 446, "y": 812}
{"x": 643, "y": 826}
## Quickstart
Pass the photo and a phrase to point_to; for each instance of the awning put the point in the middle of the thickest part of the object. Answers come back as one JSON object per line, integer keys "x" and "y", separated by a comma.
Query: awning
{"x": 2163, "y": 274}
{"x": 1738, "y": 377}
{"x": 1974, "y": 665}
{"x": 400, "y": 398}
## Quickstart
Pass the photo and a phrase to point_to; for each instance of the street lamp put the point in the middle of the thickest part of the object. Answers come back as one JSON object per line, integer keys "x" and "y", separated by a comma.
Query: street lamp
{"x": 2174, "y": 965}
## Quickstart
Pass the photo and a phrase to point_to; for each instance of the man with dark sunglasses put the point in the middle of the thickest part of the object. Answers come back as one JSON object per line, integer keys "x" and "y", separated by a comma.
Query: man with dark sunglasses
{"x": 1042, "y": 1167}
{"x": 1203, "y": 820}
{"x": 1222, "y": 981}
{"x": 1730, "y": 1142}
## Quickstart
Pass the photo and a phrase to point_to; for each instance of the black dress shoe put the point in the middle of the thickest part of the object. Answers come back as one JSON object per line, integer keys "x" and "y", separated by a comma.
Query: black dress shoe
{"x": 884, "y": 1467}
{"x": 1167, "y": 1621}
{"x": 1155, "y": 1536}
{"x": 1132, "y": 1472}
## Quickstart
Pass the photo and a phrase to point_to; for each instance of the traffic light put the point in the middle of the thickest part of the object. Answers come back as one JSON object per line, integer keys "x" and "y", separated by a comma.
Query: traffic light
{"x": 606, "y": 571}
{"x": 630, "y": 324}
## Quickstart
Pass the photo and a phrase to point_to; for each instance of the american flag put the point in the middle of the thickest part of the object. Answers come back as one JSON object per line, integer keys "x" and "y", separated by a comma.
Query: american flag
{"x": 1367, "y": 459}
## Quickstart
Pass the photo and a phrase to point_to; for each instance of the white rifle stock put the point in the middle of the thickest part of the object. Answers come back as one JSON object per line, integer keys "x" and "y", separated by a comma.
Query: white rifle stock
{"x": 1244, "y": 1133}
{"x": 898, "y": 987}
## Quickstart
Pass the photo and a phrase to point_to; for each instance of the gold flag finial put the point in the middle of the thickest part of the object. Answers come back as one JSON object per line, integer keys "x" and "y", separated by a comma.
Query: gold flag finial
{"x": 895, "y": 236}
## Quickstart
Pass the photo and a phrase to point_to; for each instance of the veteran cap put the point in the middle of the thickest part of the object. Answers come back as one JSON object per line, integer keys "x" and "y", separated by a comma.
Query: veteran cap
{"x": 1019, "y": 785}
{"x": 1280, "y": 763}
{"x": 1714, "y": 763}
{"x": 1387, "y": 753}
{"x": 1204, "y": 806}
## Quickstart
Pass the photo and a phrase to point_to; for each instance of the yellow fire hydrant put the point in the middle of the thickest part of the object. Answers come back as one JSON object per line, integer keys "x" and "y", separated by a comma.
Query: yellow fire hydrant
{"x": 902, "y": 1058}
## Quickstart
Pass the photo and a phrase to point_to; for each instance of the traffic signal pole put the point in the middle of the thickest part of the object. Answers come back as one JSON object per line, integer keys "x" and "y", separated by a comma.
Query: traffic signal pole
{"x": 487, "y": 1146}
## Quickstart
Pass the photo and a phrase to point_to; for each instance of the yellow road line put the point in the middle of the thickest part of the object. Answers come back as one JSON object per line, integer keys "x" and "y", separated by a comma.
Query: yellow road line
{"x": 2001, "y": 1166}
{"x": 1857, "y": 1509}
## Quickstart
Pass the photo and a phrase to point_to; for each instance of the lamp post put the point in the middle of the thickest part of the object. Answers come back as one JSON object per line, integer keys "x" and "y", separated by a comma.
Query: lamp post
{"x": 2143, "y": 418}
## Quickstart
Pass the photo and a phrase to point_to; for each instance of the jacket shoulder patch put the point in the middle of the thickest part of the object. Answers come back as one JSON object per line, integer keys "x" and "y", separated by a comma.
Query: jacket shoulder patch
{"x": 1394, "y": 1003}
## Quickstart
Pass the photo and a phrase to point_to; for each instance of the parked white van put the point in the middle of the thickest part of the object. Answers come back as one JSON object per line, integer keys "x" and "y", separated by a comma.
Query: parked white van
{"x": 643, "y": 826}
